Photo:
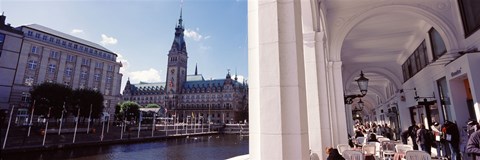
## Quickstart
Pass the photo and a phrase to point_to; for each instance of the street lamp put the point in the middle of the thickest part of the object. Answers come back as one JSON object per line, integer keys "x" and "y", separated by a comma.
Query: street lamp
{"x": 362, "y": 83}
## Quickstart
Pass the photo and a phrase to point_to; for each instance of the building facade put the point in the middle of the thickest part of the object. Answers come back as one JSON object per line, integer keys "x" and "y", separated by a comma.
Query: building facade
{"x": 10, "y": 44}
{"x": 47, "y": 55}
{"x": 188, "y": 96}
{"x": 420, "y": 56}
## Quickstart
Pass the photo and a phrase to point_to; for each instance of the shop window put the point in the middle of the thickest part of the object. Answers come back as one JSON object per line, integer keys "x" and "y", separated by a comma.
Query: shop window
{"x": 469, "y": 10}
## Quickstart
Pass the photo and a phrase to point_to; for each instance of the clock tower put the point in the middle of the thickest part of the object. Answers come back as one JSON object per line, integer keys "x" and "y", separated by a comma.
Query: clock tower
{"x": 177, "y": 65}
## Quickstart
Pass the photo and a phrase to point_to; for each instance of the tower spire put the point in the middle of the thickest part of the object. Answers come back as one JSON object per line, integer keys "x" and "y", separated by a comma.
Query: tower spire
{"x": 181, "y": 10}
{"x": 236, "y": 74}
{"x": 195, "y": 68}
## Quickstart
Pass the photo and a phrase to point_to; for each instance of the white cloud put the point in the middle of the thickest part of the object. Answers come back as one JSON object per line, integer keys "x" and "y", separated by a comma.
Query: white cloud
{"x": 125, "y": 64}
{"x": 77, "y": 31}
{"x": 195, "y": 34}
{"x": 150, "y": 75}
{"x": 108, "y": 40}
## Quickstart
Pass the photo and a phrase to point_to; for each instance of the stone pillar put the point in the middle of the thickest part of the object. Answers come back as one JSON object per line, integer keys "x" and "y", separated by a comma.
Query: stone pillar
{"x": 337, "y": 107}
{"x": 278, "y": 112}
{"x": 316, "y": 83}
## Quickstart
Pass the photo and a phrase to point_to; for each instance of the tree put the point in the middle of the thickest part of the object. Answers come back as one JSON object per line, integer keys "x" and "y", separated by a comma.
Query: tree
{"x": 152, "y": 106}
{"x": 84, "y": 98}
{"x": 50, "y": 95}
{"x": 118, "y": 114}
{"x": 130, "y": 109}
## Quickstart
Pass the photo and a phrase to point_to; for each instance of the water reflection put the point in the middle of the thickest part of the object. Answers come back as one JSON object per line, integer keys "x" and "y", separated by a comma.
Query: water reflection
{"x": 204, "y": 147}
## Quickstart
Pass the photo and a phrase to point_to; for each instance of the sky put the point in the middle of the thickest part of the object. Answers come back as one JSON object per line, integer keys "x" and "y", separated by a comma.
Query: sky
{"x": 141, "y": 32}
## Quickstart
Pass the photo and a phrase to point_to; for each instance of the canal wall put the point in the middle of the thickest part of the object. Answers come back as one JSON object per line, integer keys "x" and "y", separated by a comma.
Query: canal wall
{"x": 236, "y": 129}
{"x": 36, "y": 148}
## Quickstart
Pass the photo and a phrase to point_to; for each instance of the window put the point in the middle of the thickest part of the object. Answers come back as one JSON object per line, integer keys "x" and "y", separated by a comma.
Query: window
{"x": 30, "y": 33}
{"x": 29, "y": 81}
{"x": 68, "y": 72}
{"x": 470, "y": 9}
{"x": 85, "y": 61}
{"x": 69, "y": 45}
{"x": 109, "y": 79}
{"x": 98, "y": 64}
{"x": 51, "y": 68}
{"x": 2, "y": 39}
{"x": 70, "y": 58}
{"x": 75, "y": 46}
{"x": 37, "y": 35}
{"x": 80, "y": 48}
{"x": 53, "y": 54}
{"x": 110, "y": 68}
{"x": 97, "y": 77}
{"x": 57, "y": 41}
{"x": 416, "y": 62}
{"x": 50, "y": 39}
{"x": 25, "y": 97}
{"x": 32, "y": 64}
{"x": 44, "y": 37}
{"x": 82, "y": 86}
{"x": 34, "y": 49}
{"x": 438, "y": 47}
{"x": 83, "y": 75}
{"x": 64, "y": 43}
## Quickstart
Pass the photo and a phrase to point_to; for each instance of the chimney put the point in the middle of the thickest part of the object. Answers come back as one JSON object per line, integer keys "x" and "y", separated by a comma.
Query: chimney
{"x": 2, "y": 20}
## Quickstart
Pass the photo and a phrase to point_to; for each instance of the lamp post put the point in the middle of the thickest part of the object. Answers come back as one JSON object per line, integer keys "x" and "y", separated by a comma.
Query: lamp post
{"x": 362, "y": 83}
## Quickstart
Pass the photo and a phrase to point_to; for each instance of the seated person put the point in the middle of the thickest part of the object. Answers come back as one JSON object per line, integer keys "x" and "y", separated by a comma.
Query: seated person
{"x": 372, "y": 138}
{"x": 333, "y": 154}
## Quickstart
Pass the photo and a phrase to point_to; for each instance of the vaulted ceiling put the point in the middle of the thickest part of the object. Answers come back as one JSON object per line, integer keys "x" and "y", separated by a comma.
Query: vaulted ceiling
{"x": 379, "y": 41}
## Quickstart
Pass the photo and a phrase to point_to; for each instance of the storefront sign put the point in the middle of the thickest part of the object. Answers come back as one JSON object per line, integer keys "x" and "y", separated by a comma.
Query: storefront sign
{"x": 457, "y": 72}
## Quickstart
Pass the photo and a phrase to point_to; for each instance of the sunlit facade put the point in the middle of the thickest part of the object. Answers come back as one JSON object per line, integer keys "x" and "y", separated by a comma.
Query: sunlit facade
{"x": 420, "y": 58}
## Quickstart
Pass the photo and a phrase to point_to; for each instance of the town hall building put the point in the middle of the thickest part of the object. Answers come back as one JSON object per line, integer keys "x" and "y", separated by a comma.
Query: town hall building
{"x": 192, "y": 97}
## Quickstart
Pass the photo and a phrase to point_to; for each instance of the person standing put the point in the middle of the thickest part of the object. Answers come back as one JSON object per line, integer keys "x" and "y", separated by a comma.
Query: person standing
{"x": 423, "y": 138}
{"x": 473, "y": 145}
{"x": 437, "y": 135}
{"x": 412, "y": 130}
{"x": 452, "y": 136}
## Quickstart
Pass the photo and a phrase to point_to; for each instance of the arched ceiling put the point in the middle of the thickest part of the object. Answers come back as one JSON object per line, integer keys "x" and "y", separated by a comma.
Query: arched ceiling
{"x": 380, "y": 41}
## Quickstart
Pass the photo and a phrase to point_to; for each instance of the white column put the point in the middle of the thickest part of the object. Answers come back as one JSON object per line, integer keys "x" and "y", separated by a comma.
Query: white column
{"x": 313, "y": 89}
{"x": 278, "y": 100}
{"x": 337, "y": 106}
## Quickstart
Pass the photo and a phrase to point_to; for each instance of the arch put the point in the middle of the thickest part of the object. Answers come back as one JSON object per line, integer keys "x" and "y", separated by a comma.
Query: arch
{"x": 382, "y": 71}
{"x": 445, "y": 30}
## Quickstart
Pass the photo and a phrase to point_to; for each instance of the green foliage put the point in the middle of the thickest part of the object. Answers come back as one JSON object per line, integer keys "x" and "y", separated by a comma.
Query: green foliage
{"x": 152, "y": 106}
{"x": 55, "y": 96}
{"x": 86, "y": 98}
{"x": 50, "y": 95}
{"x": 129, "y": 109}
{"x": 118, "y": 114}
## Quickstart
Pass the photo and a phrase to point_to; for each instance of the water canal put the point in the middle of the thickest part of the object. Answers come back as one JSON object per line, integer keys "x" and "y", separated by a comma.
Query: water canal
{"x": 190, "y": 148}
